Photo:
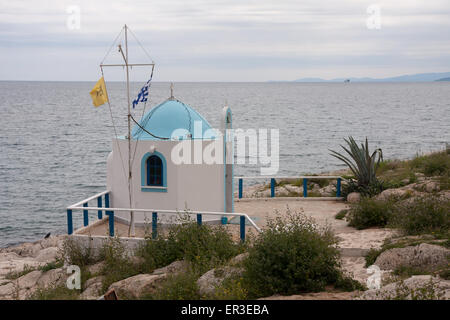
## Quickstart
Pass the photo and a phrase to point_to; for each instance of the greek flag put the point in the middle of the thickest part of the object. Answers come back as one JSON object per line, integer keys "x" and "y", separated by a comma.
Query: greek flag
{"x": 143, "y": 93}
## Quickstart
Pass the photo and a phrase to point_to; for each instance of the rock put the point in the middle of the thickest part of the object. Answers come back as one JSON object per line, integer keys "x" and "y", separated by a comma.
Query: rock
{"x": 29, "y": 280}
{"x": 97, "y": 268}
{"x": 327, "y": 191}
{"x": 315, "y": 296}
{"x": 416, "y": 284}
{"x": 294, "y": 189}
{"x": 391, "y": 193}
{"x": 424, "y": 256}
{"x": 209, "y": 281}
{"x": 281, "y": 191}
{"x": 9, "y": 290}
{"x": 12, "y": 262}
{"x": 54, "y": 277}
{"x": 431, "y": 186}
{"x": 173, "y": 268}
{"x": 136, "y": 286}
{"x": 93, "y": 287}
{"x": 353, "y": 197}
{"x": 238, "y": 259}
{"x": 47, "y": 255}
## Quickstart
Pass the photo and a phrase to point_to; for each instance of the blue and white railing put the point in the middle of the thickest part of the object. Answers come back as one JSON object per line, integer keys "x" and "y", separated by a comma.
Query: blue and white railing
{"x": 273, "y": 183}
{"x": 83, "y": 206}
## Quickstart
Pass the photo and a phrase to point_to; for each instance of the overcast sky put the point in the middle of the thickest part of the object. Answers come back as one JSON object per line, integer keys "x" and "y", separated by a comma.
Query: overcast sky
{"x": 225, "y": 40}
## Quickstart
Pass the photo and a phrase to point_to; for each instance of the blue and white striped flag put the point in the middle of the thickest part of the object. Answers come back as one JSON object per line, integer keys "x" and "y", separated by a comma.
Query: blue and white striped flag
{"x": 143, "y": 93}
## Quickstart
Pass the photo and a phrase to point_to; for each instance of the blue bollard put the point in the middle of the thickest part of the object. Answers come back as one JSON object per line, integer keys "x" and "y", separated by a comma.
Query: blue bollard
{"x": 69, "y": 222}
{"x": 199, "y": 219}
{"x": 154, "y": 225}
{"x": 240, "y": 188}
{"x": 99, "y": 204}
{"x": 338, "y": 188}
{"x": 305, "y": 188}
{"x": 272, "y": 187}
{"x": 242, "y": 227}
{"x": 85, "y": 215}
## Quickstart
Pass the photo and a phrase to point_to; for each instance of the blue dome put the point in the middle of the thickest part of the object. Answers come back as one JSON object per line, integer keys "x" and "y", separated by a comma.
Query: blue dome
{"x": 162, "y": 120}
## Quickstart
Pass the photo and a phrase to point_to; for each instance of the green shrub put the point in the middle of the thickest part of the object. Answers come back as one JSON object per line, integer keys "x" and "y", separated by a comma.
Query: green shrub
{"x": 204, "y": 246}
{"x": 363, "y": 165}
{"x": 177, "y": 287}
{"x": 117, "y": 263}
{"x": 74, "y": 253}
{"x": 341, "y": 214}
{"x": 157, "y": 253}
{"x": 231, "y": 289}
{"x": 372, "y": 256}
{"x": 51, "y": 265}
{"x": 56, "y": 292}
{"x": 369, "y": 212}
{"x": 429, "y": 214}
{"x": 291, "y": 256}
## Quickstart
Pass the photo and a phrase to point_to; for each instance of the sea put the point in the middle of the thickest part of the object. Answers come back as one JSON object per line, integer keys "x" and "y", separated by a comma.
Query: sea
{"x": 54, "y": 143}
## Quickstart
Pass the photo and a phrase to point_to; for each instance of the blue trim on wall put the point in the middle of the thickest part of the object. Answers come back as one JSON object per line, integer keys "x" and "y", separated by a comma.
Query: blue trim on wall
{"x": 144, "y": 186}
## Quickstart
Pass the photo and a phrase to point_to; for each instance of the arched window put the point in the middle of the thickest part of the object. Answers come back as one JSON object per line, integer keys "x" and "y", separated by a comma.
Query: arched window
{"x": 155, "y": 171}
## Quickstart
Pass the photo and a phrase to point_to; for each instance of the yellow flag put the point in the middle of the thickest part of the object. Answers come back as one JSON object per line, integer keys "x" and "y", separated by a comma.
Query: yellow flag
{"x": 98, "y": 93}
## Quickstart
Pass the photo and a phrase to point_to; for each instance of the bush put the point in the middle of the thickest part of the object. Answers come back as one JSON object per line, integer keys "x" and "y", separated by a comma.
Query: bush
{"x": 370, "y": 212}
{"x": 55, "y": 292}
{"x": 74, "y": 253}
{"x": 117, "y": 265}
{"x": 437, "y": 163}
{"x": 291, "y": 256}
{"x": 341, "y": 214}
{"x": 203, "y": 246}
{"x": 177, "y": 287}
{"x": 430, "y": 214}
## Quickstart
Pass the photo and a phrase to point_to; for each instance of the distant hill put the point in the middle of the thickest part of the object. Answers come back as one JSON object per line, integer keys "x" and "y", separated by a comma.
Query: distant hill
{"x": 419, "y": 77}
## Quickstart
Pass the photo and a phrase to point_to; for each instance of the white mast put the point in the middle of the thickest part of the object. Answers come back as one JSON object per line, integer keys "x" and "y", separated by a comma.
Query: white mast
{"x": 131, "y": 230}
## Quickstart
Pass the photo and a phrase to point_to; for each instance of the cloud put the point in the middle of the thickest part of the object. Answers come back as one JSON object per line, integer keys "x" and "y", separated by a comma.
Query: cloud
{"x": 226, "y": 40}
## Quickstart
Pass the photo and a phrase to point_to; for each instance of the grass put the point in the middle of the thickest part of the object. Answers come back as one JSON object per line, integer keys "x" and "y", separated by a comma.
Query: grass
{"x": 13, "y": 275}
{"x": 59, "y": 292}
{"x": 396, "y": 173}
{"x": 423, "y": 215}
{"x": 177, "y": 287}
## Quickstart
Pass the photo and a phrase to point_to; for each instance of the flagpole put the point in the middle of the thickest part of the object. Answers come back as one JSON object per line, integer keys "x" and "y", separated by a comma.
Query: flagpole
{"x": 131, "y": 230}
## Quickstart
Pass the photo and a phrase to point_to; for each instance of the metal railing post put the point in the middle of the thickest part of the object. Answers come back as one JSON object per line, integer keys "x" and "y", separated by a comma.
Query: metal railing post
{"x": 111, "y": 222}
{"x": 305, "y": 187}
{"x": 85, "y": 215}
{"x": 240, "y": 187}
{"x": 99, "y": 204}
{"x": 338, "y": 187}
{"x": 272, "y": 187}
{"x": 69, "y": 222}
{"x": 154, "y": 225}
{"x": 242, "y": 227}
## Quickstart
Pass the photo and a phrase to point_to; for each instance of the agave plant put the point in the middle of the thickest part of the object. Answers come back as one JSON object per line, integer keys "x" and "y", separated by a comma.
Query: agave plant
{"x": 364, "y": 164}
